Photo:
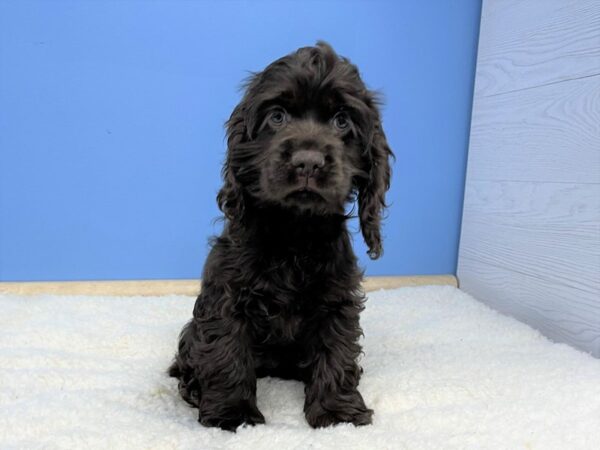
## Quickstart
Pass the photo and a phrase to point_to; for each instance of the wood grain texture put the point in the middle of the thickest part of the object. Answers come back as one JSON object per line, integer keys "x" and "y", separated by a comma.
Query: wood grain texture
{"x": 551, "y": 133}
{"x": 539, "y": 304}
{"x": 547, "y": 231}
{"x": 186, "y": 287}
{"x": 529, "y": 43}
{"x": 530, "y": 238}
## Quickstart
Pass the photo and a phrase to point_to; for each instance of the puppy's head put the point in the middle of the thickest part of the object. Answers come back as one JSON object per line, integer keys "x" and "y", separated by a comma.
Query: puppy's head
{"x": 307, "y": 136}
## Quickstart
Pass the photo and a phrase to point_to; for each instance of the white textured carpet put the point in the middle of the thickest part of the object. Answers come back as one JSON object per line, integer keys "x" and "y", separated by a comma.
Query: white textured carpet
{"x": 441, "y": 371}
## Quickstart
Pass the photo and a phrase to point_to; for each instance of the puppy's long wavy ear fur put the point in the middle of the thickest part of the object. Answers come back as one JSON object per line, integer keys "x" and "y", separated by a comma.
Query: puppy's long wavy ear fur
{"x": 371, "y": 192}
{"x": 231, "y": 195}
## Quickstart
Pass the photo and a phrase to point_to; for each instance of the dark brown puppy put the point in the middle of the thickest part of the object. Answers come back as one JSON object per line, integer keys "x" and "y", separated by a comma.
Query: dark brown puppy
{"x": 281, "y": 291}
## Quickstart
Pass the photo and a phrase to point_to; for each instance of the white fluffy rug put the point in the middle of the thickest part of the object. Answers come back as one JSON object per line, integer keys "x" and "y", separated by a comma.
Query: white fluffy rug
{"x": 441, "y": 371}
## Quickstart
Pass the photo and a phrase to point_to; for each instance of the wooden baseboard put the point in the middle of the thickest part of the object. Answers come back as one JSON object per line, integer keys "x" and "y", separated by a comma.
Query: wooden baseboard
{"x": 184, "y": 287}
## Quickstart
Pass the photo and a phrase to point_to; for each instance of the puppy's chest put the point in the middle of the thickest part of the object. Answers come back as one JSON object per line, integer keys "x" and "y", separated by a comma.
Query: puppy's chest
{"x": 279, "y": 319}
{"x": 287, "y": 297}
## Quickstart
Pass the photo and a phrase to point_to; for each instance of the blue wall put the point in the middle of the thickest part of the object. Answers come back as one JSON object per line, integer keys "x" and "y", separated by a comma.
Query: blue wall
{"x": 111, "y": 125}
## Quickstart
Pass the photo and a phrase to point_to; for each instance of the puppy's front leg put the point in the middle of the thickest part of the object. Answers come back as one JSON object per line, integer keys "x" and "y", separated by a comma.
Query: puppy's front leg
{"x": 225, "y": 366}
{"x": 331, "y": 390}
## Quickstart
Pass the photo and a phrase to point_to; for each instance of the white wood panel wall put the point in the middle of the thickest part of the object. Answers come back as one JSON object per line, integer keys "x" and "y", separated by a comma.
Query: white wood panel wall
{"x": 530, "y": 239}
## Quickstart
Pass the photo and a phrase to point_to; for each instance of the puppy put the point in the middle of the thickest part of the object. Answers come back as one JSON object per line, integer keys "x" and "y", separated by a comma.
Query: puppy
{"x": 281, "y": 293}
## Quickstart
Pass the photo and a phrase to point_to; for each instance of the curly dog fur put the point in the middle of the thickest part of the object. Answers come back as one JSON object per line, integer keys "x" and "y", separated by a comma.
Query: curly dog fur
{"x": 281, "y": 293}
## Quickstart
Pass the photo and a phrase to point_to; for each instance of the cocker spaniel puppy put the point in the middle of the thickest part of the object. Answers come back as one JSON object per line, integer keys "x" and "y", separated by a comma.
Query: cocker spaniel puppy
{"x": 281, "y": 292}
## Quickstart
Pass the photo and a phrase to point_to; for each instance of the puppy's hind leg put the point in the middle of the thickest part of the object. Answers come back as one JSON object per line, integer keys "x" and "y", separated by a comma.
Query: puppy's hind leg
{"x": 189, "y": 387}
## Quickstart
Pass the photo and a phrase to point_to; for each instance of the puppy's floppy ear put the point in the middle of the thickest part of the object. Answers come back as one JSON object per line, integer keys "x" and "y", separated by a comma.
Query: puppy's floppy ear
{"x": 232, "y": 199}
{"x": 371, "y": 191}
{"x": 231, "y": 196}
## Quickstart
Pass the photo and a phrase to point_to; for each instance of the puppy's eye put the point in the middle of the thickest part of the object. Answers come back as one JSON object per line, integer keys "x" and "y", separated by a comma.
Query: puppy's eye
{"x": 341, "y": 121}
{"x": 277, "y": 117}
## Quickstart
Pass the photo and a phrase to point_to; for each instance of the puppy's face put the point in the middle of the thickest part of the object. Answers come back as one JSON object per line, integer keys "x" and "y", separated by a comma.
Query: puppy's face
{"x": 307, "y": 136}
{"x": 312, "y": 149}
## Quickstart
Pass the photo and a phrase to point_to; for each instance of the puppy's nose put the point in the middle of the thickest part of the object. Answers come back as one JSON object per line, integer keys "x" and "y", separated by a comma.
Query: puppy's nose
{"x": 306, "y": 162}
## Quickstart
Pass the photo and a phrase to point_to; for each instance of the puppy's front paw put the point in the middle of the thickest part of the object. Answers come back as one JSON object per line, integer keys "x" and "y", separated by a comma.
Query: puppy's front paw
{"x": 231, "y": 418}
{"x": 328, "y": 418}
{"x": 331, "y": 411}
